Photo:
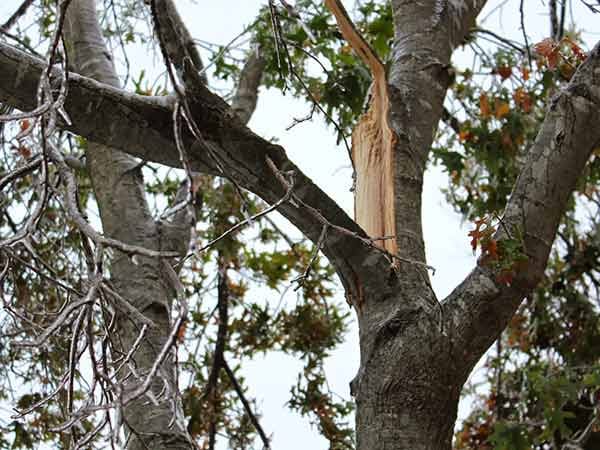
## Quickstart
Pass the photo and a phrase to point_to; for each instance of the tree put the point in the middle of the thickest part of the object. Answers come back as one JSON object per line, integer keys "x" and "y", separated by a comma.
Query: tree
{"x": 416, "y": 351}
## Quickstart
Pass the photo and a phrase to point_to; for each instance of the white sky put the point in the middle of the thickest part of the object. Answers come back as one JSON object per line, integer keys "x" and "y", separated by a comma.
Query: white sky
{"x": 312, "y": 147}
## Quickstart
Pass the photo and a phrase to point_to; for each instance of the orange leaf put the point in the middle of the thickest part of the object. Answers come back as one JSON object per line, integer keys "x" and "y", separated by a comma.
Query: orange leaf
{"x": 545, "y": 47}
{"x": 522, "y": 99}
{"x": 25, "y": 152}
{"x": 465, "y": 135}
{"x": 477, "y": 233}
{"x": 181, "y": 332}
{"x": 504, "y": 72}
{"x": 24, "y": 124}
{"x": 525, "y": 73}
{"x": 553, "y": 59}
{"x": 548, "y": 48}
{"x": 576, "y": 49}
{"x": 484, "y": 106}
{"x": 501, "y": 109}
{"x": 491, "y": 249}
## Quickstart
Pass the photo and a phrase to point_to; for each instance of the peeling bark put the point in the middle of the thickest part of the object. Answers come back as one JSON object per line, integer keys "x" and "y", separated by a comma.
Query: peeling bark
{"x": 373, "y": 142}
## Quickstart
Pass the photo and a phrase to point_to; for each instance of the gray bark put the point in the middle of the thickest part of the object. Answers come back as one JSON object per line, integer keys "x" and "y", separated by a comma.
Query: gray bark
{"x": 119, "y": 191}
{"x": 415, "y": 351}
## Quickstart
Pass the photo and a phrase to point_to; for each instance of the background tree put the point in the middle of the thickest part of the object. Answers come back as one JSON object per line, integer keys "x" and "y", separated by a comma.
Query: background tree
{"x": 117, "y": 289}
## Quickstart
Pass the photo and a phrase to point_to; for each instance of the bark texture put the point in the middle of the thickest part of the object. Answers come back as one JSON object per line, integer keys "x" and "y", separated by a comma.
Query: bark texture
{"x": 119, "y": 191}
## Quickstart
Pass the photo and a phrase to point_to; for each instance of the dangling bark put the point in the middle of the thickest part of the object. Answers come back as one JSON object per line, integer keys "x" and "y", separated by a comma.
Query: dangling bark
{"x": 373, "y": 142}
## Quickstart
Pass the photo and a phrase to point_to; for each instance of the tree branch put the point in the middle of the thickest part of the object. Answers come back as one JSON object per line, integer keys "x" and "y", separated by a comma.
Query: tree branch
{"x": 253, "y": 418}
{"x": 246, "y": 95}
{"x": 480, "y": 307}
{"x": 425, "y": 34}
{"x": 178, "y": 44}
{"x": 142, "y": 127}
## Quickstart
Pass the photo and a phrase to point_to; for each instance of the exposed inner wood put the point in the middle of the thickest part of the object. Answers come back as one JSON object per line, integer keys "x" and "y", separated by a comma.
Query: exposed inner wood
{"x": 372, "y": 144}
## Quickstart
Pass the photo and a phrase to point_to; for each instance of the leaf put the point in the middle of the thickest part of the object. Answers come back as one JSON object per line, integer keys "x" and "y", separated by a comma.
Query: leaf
{"x": 576, "y": 49}
{"x": 553, "y": 59}
{"x": 491, "y": 249}
{"x": 510, "y": 437}
{"x": 484, "y": 106}
{"x": 465, "y": 136}
{"x": 501, "y": 109}
{"x": 24, "y": 124}
{"x": 478, "y": 233}
{"x": 24, "y": 151}
{"x": 545, "y": 47}
{"x": 548, "y": 49}
{"x": 522, "y": 99}
{"x": 504, "y": 72}
{"x": 566, "y": 70}
{"x": 22, "y": 438}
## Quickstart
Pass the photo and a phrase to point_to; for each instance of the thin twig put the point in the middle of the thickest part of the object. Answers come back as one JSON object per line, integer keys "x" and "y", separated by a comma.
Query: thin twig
{"x": 20, "y": 12}
{"x": 522, "y": 14}
{"x": 247, "y": 407}
{"x": 242, "y": 223}
{"x": 302, "y": 278}
{"x": 63, "y": 316}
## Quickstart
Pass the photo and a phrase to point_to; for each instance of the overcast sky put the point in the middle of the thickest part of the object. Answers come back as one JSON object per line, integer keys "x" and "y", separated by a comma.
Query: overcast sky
{"x": 312, "y": 147}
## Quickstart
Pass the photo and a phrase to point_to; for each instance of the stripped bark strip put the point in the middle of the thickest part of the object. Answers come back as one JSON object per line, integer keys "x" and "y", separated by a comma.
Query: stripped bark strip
{"x": 373, "y": 143}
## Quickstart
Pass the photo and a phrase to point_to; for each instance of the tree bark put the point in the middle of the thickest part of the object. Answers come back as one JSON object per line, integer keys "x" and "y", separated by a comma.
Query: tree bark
{"x": 119, "y": 191}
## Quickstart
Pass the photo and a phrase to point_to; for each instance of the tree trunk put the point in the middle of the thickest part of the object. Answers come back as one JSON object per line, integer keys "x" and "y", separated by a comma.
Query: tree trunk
{"x": 407, "y": 390}
{"x": 119, "y": 191}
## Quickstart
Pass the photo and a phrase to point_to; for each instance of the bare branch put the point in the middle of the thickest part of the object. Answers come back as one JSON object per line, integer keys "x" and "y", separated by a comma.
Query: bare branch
{"x": 246, "y": 94}
{"x": 20, "y": 12}
{"x": 85, "y": 227}
{"x": 90, "y": 297}
{"x": 247, "y": 407}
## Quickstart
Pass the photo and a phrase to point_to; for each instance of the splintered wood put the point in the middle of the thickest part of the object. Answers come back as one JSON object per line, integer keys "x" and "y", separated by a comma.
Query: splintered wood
{"x": 372, "y": 144}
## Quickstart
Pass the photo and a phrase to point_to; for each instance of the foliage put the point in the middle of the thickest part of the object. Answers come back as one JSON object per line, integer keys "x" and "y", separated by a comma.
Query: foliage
{"x": 313, "y": 61}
